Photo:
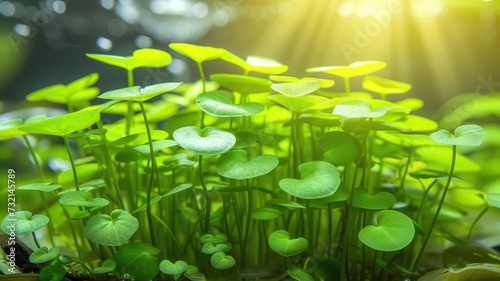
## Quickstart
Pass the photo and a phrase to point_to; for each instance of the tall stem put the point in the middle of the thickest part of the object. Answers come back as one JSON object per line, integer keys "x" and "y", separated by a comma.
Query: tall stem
{"x": 440, "y": 205}
{"x": 130, "y": 110}
{"x": 208, "y": 202}
{"x": 72, "y": 161}
{"x": 151, "y": 177}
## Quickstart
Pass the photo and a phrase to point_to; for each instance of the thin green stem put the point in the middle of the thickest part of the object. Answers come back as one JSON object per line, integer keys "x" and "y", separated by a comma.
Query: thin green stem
{"x": 130, "y": 110}
{"x": 151, "y": 177}
{"x": 440, "y": 205}
{"x": 202, "y": 76}
{"x": 407, "y": 166}
{"x": 35, "y": 240}
{"x": 208, "y": 201}
{"x": 177, "y": 246}
{"x": 469, "y": 236}
{"x": 72, "y": 161}
{"x": 248, "y": 222}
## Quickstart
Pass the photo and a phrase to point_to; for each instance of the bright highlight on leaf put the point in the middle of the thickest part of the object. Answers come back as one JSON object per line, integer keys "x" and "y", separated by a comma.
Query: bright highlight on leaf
{"x": 354, "y": 69}
{"x": 384, "y": 86}
{"x": 197, "y": 53}
{"x": 296, "y": 89}
{"x": 244, "y": 85}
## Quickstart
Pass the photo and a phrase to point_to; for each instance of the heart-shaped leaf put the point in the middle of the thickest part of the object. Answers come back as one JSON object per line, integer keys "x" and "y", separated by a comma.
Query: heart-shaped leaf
{"x": 393, "y": 232}
{"x": 255, "y": 64}
{"x": 43, "y": 255}
{"x": 244, "y": 85}
{"x": 170, "y": 268}
{"x": 214, "y": 239}
{"x": 363, "y": 200}
{"x": 106, "y": 266}
{"x": 197, "y": 53}
{"x": 318, "y": 179}
{"x": 340, "y": 147}
{"x": 139, "y": 94}
{"x": 81, "y": 199}
{"x": 63, "y": 125}
{"x": 221, "y": 104}
{"x": 137, "y": 260}
{"x": 210, "y": 248}
{"x": 469, "y": 135}
{"x": 281, "y": 243}
{"x": 140, "y": 58}
{"x": 303, "y": 103}
{"x": 385, "y": 86}
{"x": 207, "y": 141}
{"x": 235, "y": 165}
{"x": 46, "y": 186}
{"x": 354, "y": 69}
{"x": 297, "y": 89}
{"x": 221, "y": 261}
{"x": 112, "y": 230}
{"x": 23, "y": 222}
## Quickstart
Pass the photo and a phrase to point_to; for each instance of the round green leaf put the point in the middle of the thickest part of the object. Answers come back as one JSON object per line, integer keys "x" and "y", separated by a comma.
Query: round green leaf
{"x": 220, "y": 261}
{"x": 385, "y": 86}
{"x": 63, "y": 125}
{"x": 197, "y": 53}
{"x": 137, "y": 93}
{"x": 146, "y": 57}
{"x": 53, "y": 271}
{"x": 137, "y": 261}
{"x": 81, "y": 199}
{"x": 393, "y": 232}
{"x": 43, "y": 255}
{"x": 340, "y": 147}
{"x": 207, "y": 141}
{"x": 210, "y": 248}
{"x": 170, "y": 268}
{"x": 363, "y": 200}
{"x": 245, "y": 139}
{"x": 318, "y": 179}
{"x": 128, "y": 155}
{"x": 296, "y": 89}
{"x": 221, "y": 104}
{"x": 242, "y": 84}
{"x": 281, "y": 243}
{"x": 235, "y": 165}
{"x": 112, "y": 230}
{"x": 354, "y": 69}
{"x": 23, "y": 222}
{"x": 469, "y": 135}
{"x": 214, "y": 239}
{"x": 106, "y": 266}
